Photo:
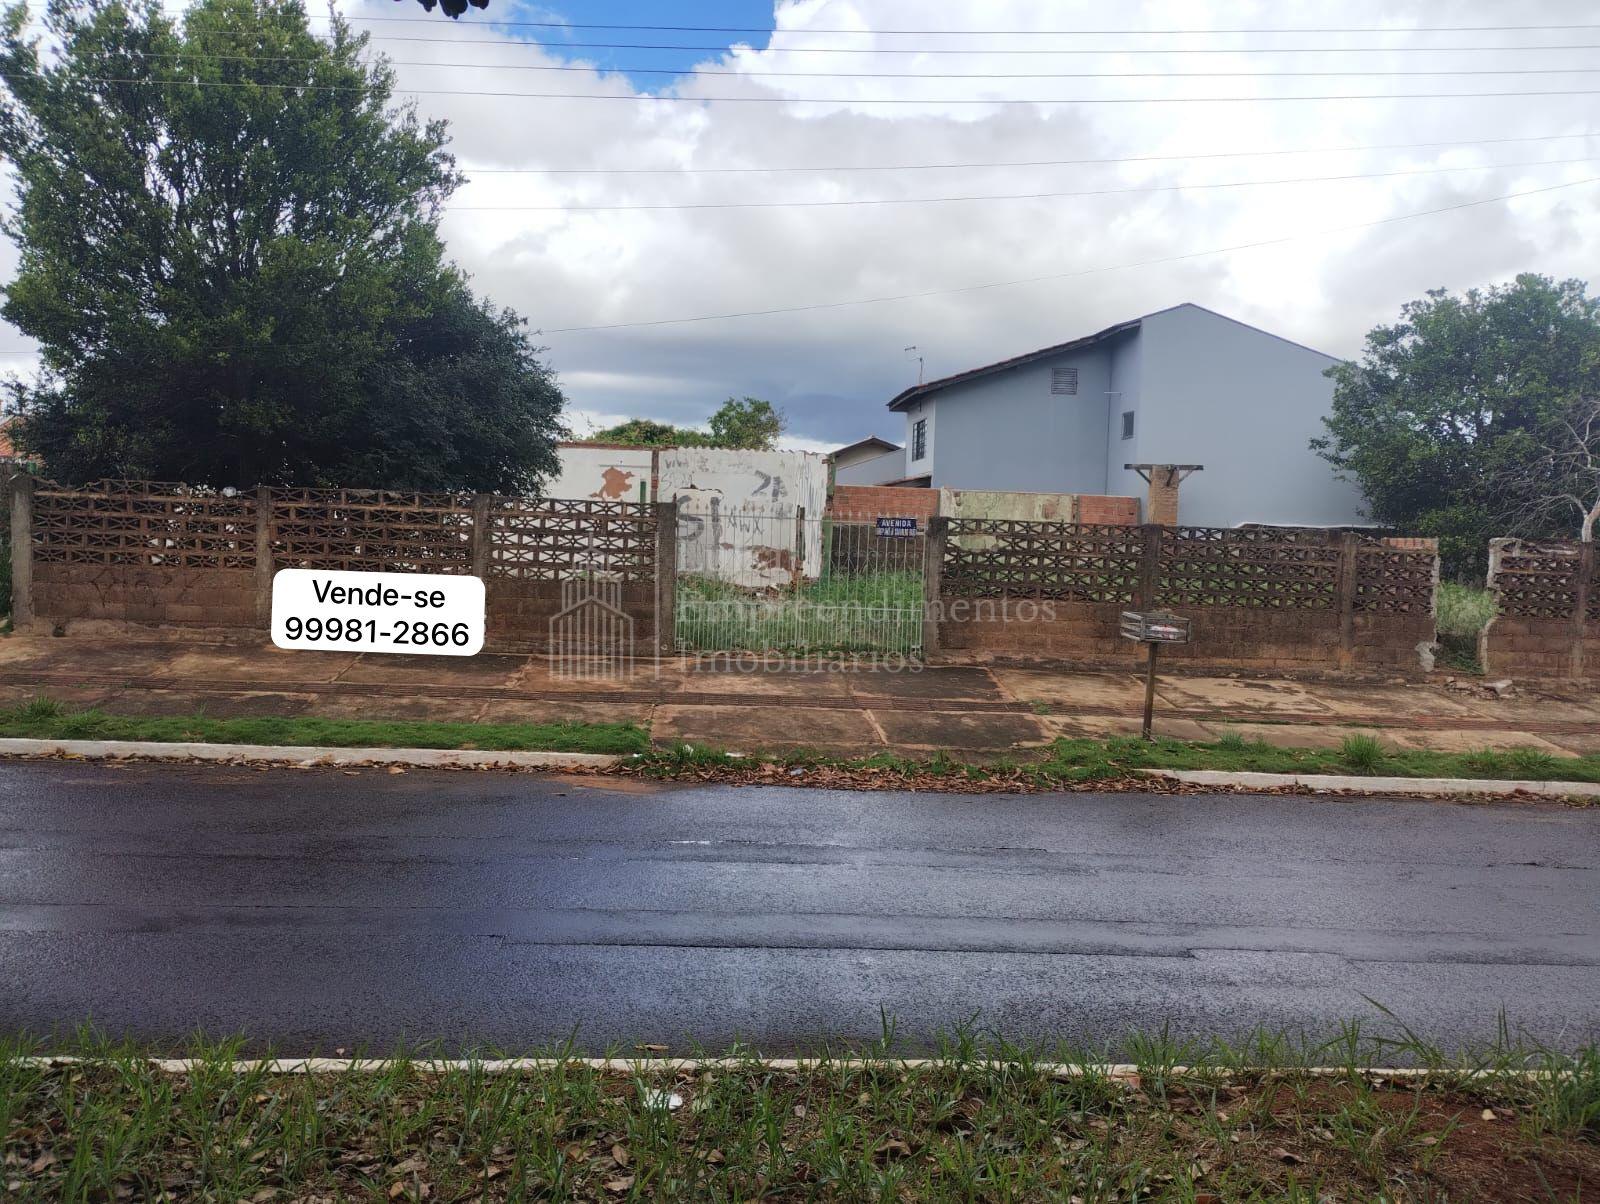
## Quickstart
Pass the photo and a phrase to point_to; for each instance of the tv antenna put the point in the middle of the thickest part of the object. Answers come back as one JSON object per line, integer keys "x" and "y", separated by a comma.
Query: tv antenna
{"x": 909, "y": 350}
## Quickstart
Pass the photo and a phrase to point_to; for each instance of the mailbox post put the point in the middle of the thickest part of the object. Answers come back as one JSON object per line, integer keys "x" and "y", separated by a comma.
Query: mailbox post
{"x": 1153, "y": 628}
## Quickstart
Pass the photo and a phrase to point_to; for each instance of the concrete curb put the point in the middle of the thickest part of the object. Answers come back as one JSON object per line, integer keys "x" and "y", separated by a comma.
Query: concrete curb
{"x": 302, "y": 755}
{"x": 655, "y": 1064}
{"x": 1425, "y": 787}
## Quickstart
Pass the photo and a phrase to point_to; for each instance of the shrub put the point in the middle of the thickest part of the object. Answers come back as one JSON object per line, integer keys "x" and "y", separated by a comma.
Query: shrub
{"x": 1361, "y": 752}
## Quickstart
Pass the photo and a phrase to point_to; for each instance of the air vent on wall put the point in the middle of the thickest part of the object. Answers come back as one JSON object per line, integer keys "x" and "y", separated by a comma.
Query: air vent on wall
{"x": 1064, "y": 381}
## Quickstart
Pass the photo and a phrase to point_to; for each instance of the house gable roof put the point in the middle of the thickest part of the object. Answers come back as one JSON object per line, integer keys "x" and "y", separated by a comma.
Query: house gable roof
{"x": 862, "y": 444}
{"x": 916, "y": 391}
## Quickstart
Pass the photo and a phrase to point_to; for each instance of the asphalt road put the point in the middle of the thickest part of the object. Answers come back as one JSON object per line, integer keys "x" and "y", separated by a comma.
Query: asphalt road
{"x": 318, "y": 910}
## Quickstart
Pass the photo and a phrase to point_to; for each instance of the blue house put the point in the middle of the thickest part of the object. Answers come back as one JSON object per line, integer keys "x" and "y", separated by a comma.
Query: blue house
{"x": 1183, "y": 385}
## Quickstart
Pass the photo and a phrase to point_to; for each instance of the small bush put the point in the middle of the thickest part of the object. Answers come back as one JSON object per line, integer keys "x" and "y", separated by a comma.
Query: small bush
{"x": 1489, "y": 763}
{"x": 1361, "y": 752}
{"x": 1531, "y": 763}
{"x": 1231, "y": 741}
{"x": 37, "y": 710}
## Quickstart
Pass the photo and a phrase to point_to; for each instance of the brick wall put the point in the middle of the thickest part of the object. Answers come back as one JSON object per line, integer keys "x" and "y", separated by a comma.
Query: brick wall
{"x": 527, "y": 616}
{"x": 1547, "y": 611}
{"x": 1095, "y": 508}
{"x": 866, "y": 503}
{"x": 182, "y": 597}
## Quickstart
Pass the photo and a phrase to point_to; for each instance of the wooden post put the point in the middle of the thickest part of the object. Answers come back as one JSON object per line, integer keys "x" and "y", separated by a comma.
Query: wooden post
{"x": 264, "y": 564}
{"x": 1150, "y": 691}
{"x": 666, "y": 577}
{"x": 1582, "y": 592}
{"x": 21, "y": 551}
{"x": 1149, "y": 567}
{"x": 482, "y": 535}
{"x": 933, "y": 546}
{"x": 798, "y": 575}
{"x": 1345, "y": 595}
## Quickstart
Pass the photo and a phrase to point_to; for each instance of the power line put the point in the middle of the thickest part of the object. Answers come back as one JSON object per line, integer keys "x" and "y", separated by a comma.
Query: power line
{"x": 708, "y": 71}
{"x": 971, "y": 288}
{"x": 1013, "y": 196}
{"x": 1310, "y": 150}
{"x": 843, "y": 100}
{"x": 967, "y": 32}
{"x": 1120, "y": 50}
{"x": 554, "y": 46}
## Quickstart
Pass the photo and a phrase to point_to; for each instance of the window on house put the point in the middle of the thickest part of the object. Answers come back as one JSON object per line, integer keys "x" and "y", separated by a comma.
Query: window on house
{"x": 919, "y": 438}
{"x": 1127, "y": 424}
{"x": 1064, "y": 381}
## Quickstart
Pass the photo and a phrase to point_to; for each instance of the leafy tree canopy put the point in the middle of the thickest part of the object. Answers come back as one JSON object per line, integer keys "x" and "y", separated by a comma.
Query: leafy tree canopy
{"x": 233, "y": 267}
{"x": 1458, "y": 398}
{"x": 747, "y": 423}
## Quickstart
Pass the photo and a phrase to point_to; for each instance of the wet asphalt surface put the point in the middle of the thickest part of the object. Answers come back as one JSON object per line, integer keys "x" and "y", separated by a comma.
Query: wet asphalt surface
{"x": 317, "y": 910}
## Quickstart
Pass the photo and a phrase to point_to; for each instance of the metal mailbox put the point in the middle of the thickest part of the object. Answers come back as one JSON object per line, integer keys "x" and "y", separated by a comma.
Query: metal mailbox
{"x": 1154, "y": 627}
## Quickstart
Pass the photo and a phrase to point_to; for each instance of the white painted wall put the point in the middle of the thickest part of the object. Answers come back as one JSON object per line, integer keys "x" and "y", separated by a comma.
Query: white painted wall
{"x": 737, "y": 509}
{"x": 601, "y": 474}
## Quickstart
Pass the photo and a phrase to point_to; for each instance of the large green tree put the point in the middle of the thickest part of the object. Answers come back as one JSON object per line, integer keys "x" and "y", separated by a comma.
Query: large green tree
{"x": 1445, "y": 419}
{"x": 749, "y": 423}
{"x": 229, "y": 255}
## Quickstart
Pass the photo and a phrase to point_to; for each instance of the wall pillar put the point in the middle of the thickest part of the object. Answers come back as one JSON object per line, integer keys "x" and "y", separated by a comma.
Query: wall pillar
{"x": 264, "y": 564}
{"x": 933, "y": 545}
{"x": 666, "y": 577}
{"x": 1149, "y": 587}
{"x": 21, "y": 550}
{"x": 1345, "y": 598}
{"x": 482, "y": 535}
{"x": 1580, "y": 606}
{"x": 1163, "y": 505}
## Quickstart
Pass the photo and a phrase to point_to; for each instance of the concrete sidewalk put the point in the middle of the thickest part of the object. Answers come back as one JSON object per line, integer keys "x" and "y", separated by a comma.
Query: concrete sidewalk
{"x": 969, "y": 709}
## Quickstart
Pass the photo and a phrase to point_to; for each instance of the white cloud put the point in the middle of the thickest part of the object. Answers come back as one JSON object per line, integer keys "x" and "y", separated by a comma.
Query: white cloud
{"x": 832, "y": 370}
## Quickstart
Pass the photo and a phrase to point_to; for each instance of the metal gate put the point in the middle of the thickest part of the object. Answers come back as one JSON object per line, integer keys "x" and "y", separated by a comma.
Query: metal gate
{"x": 775, "y": 582}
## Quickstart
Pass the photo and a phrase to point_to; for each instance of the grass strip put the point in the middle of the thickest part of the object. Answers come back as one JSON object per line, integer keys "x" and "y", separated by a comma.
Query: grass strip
{"x": 1066, "y": 762}
{"x": 46, "y": 719}
{"x": 1075, "y": 762}
{"x": 1198, "y": 1122}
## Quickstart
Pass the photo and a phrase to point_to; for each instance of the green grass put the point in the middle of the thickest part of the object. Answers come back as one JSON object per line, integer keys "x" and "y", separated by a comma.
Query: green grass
{"x": 869, "y": 612}
{"x": 47, "y": 719}
{"x": 1199, "y": 1120}
{"x": 1360, "y": 755}
{"x": 1462, "y": 613}
{"x": 1076, "y": 762}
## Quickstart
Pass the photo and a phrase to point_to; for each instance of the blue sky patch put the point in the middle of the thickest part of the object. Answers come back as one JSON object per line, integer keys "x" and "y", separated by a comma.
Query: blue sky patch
{"x": 754, "y": 15}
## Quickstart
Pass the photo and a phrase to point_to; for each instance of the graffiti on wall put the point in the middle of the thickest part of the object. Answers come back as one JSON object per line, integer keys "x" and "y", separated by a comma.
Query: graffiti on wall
{"x": 738, "y": 513}
{"x": 602, "y": 474}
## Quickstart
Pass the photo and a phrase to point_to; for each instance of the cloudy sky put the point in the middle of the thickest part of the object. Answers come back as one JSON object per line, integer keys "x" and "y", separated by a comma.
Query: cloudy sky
{"x": 782, "y": 158}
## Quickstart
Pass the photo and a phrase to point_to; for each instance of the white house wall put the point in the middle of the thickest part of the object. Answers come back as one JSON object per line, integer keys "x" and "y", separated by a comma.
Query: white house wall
{"x": 1246, "y": 404}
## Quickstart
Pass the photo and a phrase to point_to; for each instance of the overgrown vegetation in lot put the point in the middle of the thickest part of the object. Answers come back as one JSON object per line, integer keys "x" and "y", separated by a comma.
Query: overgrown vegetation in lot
{"x": 1194, "y": 1122}
{"x": 838, "y": 612}
{"x": 47, "y": 719}
{"x": 1462, "y": 612}
{"x": 1088, "y": 762}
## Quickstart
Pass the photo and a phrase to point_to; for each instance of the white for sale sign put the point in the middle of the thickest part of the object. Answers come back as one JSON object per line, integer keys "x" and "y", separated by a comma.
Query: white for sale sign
{"x": 434, "y": 614}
